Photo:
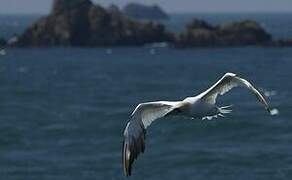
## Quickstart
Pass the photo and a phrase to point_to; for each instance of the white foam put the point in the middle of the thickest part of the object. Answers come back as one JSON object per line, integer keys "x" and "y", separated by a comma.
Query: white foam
{"x": 109, "y": 51}
{"x": 269, "y": 93}
{"x": 22, "y": 69}
{"x": 152, "y": 51}
{"x": 274, "y": 112}
{"x": 2, "y": 52}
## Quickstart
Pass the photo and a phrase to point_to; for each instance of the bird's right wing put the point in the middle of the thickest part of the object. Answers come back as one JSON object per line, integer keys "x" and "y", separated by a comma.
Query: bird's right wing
{"x": 135, "y": 131}
{"x": 228, "y": 82}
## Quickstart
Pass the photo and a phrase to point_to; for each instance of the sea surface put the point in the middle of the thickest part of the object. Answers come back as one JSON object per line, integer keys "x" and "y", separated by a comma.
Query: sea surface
{"x": 63, "y": 110}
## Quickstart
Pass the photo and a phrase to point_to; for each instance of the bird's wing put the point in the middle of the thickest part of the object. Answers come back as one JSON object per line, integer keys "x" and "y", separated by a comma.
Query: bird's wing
{"x": 135, "y": 131}
{"x": 225, "y": 84}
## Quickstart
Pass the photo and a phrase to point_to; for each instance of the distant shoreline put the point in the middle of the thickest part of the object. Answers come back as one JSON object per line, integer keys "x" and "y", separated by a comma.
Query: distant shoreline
{"x": 49, "y": 31}
{"x": 172, "y": 13}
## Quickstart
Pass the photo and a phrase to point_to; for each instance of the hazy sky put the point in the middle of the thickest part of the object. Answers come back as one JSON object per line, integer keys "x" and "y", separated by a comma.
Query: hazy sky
{"x": 43, "y": 6}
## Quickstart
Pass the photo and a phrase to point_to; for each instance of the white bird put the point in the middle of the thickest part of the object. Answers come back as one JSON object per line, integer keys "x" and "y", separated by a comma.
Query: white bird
{"x": 200, "y": 106}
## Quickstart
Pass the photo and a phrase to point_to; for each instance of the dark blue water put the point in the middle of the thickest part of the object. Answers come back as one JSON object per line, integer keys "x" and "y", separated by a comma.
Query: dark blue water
{"x": 63, "y": 112}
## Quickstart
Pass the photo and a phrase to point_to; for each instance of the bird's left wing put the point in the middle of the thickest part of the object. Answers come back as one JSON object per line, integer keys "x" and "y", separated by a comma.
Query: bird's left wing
{"x": 135, "y": 131}
{"x": 226, "y": 83}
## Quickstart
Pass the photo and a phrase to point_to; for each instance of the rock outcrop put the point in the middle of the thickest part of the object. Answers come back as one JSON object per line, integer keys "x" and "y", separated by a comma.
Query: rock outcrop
{"x": 2, "y": 42}
{"x": 81, "y": 23}
{"x": 139, "y": 11}
{"x": 115, "y": 10}
{"x": 245, "y": 32}
{"x": 201, "y": 34}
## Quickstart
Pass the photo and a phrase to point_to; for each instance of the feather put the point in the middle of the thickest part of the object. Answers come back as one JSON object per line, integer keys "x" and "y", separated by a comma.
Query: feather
{"x": 225, "y": 84}
{"x": 135, "y": 131}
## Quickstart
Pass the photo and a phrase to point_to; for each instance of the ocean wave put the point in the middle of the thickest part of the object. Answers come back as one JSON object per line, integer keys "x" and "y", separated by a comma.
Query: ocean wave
{"x": 274, "y": 112}
{"x": 3, "y": 52}
{"x": 269, "y": 93}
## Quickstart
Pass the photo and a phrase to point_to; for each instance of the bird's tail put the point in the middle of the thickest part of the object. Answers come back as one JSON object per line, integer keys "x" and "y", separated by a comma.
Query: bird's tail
{"x": 224, "y": 110}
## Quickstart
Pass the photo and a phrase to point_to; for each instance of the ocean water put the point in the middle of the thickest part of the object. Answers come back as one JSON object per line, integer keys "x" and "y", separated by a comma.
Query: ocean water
{"x": 63, "y": 112}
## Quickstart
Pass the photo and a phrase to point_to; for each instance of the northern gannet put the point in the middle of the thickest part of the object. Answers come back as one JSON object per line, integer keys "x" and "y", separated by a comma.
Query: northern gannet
{"x": 200, "y": 106}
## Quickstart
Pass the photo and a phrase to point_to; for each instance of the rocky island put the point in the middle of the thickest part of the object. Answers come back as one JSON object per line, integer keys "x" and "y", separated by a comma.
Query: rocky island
{"x": 82, "y": 23}
{"x": 2, "y": 42}
{"x": 199, "y": 33}
{"x": 140, "y": 11}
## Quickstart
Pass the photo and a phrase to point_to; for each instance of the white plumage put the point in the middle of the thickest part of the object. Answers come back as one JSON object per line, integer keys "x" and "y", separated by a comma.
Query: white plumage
{"x": 201, "y": 106}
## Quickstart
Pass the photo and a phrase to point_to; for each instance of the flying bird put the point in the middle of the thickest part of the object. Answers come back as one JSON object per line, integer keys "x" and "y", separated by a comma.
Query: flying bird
{"x": 201, "y": 106}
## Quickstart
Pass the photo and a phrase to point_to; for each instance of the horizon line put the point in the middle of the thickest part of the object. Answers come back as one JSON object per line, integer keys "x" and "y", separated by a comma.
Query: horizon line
{"x": 173, "y": 12}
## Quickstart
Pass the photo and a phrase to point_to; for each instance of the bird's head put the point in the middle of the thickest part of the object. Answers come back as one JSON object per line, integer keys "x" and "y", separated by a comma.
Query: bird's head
{"x": 179, "y": 109}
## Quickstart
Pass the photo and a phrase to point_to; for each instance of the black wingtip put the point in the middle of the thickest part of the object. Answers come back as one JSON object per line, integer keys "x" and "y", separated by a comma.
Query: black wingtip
{"x": 127, "y": 161}
{"x": 269, "y": 110}
{"x": 132, "y": 147}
